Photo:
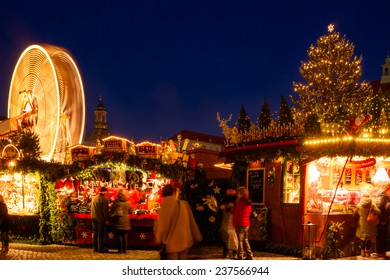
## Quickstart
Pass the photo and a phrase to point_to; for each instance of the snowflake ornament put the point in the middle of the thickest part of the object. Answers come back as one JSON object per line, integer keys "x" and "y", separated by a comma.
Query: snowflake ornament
{"x": 142, "y": 236}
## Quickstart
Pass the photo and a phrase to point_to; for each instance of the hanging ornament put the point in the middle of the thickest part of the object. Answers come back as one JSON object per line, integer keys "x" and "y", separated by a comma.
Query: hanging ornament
{"x": 271, "y": 177}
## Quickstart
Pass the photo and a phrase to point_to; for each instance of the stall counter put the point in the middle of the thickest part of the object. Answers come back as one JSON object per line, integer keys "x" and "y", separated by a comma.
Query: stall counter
{"x": 140, "y": 235}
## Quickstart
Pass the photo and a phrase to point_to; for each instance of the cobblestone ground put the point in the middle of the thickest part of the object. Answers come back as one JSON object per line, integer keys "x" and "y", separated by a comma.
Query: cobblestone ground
{"x": 19, "y": 251}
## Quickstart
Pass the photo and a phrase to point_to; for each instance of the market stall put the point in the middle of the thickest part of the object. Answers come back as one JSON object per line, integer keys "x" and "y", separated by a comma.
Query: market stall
{"x": 144, "y": 205}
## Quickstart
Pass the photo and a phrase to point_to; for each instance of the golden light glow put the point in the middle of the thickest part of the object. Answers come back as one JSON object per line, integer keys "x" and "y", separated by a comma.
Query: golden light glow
{"x": 381, "y": 177}
{"x": 224, "y": 165}
{"x": 114, "y": 138}
{"x": 147, "y": 143}
{"x": 345, "y": 139}
{"x": 313, "y": 173}
{"x": 81, "y": 146}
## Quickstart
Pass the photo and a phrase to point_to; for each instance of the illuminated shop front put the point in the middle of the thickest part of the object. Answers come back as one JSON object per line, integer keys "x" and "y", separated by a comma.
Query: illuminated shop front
{"x": 20, "y": 193}
{"x": 335, "y": 185}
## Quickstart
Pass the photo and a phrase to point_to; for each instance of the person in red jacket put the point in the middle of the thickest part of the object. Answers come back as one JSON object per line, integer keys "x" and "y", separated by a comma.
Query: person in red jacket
{"x": 241, "y": 221}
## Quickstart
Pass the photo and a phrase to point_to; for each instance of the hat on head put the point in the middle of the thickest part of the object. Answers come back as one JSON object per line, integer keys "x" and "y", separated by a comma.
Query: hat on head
{"x": 103, "y": 189}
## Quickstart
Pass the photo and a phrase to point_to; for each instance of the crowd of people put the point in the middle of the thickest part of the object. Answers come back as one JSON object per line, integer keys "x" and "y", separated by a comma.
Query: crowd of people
{"x": 176, "y": 228}
{"x": 178, "y": 231}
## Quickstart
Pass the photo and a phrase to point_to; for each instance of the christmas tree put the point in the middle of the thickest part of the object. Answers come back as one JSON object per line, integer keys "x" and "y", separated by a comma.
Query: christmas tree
{"x": 265, "y": 117}
{"x": 27, "y": 141}
{"x": 285, "y": 116}
{"x": 332, "y": 90}
{"x": 243, "y": 122}
{"x": 373, "y": 106}
{"x": 386, "y": 105}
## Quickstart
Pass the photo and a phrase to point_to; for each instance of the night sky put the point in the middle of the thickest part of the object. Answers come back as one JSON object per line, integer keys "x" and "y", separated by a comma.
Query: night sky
{"x": 164, "y": 66}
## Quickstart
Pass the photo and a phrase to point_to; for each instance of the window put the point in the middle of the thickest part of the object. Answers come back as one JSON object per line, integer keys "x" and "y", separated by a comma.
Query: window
{"x": 291, "y": 182}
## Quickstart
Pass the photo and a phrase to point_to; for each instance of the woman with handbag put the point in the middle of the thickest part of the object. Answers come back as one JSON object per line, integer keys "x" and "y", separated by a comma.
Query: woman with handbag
{"x": 120, "y": 221}
{"x": 366, "y": 231}
{"x": 175, "y": 228}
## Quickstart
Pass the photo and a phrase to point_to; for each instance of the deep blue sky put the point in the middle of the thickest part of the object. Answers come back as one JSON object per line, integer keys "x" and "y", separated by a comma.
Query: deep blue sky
{"x": 163, "y": 66}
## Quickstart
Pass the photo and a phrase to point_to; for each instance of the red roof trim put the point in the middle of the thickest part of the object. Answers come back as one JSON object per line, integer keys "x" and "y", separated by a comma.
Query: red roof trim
{"x": 259, "y": 146}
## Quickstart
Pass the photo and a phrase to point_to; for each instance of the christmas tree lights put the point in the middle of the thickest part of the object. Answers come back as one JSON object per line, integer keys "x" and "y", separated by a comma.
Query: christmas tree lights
{"x": 332, "y": 90}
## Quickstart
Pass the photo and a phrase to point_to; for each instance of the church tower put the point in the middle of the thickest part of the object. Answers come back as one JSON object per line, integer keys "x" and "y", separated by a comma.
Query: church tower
{"x": 386, "y": 71}
{"x": 100, "y": 129}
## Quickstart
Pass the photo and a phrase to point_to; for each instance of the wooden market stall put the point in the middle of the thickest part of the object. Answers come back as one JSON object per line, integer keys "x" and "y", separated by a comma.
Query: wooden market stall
{"x": 52, "y": 202}
{"x": 305, "y": 183}
{"x": 141, "y": 187}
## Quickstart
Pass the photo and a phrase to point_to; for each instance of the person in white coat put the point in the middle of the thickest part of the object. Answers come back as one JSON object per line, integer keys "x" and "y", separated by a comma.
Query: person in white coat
{"x": 176, "y": 226}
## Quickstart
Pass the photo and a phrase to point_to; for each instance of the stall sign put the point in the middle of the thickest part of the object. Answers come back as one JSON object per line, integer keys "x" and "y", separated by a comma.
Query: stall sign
{"x": 255, "y": 184}
{"x": 79, "y": 154}
{"x": 147, "y": 150}
{"x": 113, "y": 145}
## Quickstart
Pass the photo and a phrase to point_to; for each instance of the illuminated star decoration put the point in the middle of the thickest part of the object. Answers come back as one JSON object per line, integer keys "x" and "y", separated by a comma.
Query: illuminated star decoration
{"x": 84, "y": 234}
{"x": 330, "y": 28}
{"x": 110, "y": 235}
{"x": 217, "y": 190}
{"x": 211, "y": 202}
{"x": 142, "y": 236}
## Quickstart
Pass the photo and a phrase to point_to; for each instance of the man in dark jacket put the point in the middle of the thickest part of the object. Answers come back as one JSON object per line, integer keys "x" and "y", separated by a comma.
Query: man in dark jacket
{"x": 383, "y": 226}
{"x": 99, "y": 216}
{"x": 241, "y": 221}
{"x": 5, "y": 225}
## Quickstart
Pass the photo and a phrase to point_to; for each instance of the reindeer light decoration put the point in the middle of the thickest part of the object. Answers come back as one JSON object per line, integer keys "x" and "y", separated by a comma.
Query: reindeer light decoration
{"x": 226, "y": 130}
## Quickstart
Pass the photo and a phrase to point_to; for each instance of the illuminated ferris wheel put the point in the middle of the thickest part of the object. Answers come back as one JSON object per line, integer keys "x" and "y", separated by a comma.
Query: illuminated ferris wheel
{"x": 47, "y": 95}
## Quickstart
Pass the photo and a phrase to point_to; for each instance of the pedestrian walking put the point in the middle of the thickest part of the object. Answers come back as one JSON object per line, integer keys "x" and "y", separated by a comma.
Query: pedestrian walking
{"x": 120, "y": 221}
{"x": 382, "y": 235}
{"x": 5, "y": 225}
{"x": 366, "y": 231}
{"x": 99, "y": 216}
{"x": 241, "y": 220}
{"x": 176, "y": 227}
{"x": 227, "y": 230}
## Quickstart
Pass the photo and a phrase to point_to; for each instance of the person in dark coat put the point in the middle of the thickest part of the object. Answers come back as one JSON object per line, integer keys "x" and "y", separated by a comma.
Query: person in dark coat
{"x": 121, "y": 223}
{"x": 5, "y": 225}
{"x": 366, "y": 232}
{"x": 383, "y": 226}
{"x": 99, "y": 216}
